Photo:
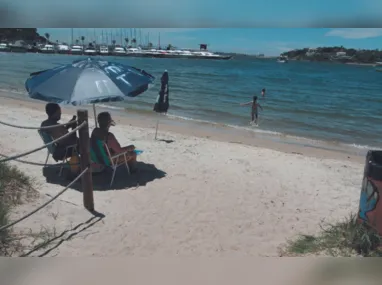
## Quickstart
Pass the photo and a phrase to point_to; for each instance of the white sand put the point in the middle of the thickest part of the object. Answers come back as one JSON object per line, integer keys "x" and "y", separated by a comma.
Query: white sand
{"x": 217, "y": 198}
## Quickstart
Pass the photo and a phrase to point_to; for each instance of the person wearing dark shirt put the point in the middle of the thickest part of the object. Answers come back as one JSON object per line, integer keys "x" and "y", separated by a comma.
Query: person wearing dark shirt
{"x": 63, "y": 148}
{"x": 263, "y": 92}
{"x": 102, "y": 133}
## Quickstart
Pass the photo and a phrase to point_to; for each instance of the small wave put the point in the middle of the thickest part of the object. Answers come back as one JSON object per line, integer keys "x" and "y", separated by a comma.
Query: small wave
{"x": 192, "y": 119}
{"x": 13, "y": 90}
{"x": 363, "y": 147}
{"x": 110, "y": 107}
{"x": 256, "y": 130}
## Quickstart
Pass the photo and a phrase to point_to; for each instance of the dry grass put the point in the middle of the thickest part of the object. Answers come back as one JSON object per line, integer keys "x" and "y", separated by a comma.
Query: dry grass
{"x": 347, "y": 238}
{"x": 15, "y": 189}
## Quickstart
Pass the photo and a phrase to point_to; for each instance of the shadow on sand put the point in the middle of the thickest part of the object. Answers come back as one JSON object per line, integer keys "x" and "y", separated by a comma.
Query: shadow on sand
{"x": 101, "y": 181}
{"x": 166, "y": 141}
{"x": 66, "y": 235}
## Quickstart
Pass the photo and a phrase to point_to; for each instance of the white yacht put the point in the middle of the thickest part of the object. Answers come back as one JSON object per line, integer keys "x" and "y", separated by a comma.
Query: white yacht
{"x": 282, "y": 59}
{"x": 119, "y": 51}
{"x": 47, "y": 49}
{"x": 63, "y": 49}
{"x": 4, "y": 47}
{"x": 186, "y": 53}
{"x": 205, "y": 55}
{"x": 151, "y": 52}
{"x": 103, "y": 50}
{"x": 90, "y": 50}
{"x": 76, "y": 50}
{"x": 131, "y": 51}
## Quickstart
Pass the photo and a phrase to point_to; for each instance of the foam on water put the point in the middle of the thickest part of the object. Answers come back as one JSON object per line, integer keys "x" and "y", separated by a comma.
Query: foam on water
{"x": 110, "y": 107}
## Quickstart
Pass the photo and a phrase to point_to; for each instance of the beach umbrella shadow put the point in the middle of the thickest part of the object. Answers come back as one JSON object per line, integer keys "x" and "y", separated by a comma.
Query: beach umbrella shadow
{"x": 101, "y": 181}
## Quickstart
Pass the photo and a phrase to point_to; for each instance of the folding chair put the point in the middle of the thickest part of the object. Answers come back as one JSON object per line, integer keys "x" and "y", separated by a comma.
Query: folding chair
{"x": 46, "y": 138}
{"x": 111, "y": 161}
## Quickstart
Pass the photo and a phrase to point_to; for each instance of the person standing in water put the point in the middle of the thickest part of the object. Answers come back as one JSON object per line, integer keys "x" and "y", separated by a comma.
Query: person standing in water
{"x": 263, "y": 92}
{"x": 254, "y": 109}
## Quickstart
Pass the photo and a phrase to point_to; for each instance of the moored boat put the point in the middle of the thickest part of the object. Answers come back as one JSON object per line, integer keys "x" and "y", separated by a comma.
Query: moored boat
{"x": 118, "y": 51}
{"x": 4, "y": 47}
{"x": 47, "y": 49}
{"x": 76, "y": 49}
{"x": 18, "y": 46}
{"x": 63, "y": 49}
{"x": 90, "y": 50}
{"x": 282, "y": 59}
{"x": 135, "y": 52}
{"x": 104, "y": 50}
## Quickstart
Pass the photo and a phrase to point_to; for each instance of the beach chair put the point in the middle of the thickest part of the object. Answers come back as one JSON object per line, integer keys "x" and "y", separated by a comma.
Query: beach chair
{"x": 46, "y": 138}
{"x": 110, "y": 161}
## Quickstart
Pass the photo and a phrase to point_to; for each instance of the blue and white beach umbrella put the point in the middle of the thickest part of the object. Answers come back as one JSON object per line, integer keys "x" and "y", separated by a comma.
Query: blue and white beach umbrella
{"x": 88, "y": 81}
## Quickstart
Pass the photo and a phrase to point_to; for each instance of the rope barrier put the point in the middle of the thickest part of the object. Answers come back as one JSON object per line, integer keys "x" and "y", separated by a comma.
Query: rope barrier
{"x": 39, "y": 164}
{"x": 44, "y": 146}
{"x": 46, "y": 203}
{"x": 37, "y": 128}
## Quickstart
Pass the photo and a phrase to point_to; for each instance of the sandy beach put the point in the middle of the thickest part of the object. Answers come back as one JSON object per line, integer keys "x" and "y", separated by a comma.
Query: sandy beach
{"x": 199, "y": 192}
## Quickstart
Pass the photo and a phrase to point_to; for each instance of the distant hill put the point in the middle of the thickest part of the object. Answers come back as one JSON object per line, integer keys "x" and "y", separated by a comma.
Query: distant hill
{"x": 337, "y": 53}
{"x": 28, "y": 35}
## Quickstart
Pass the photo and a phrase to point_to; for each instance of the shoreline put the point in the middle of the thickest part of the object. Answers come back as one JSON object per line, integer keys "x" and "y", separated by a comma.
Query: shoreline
{"x": 224, "y": 54}
{"x": 337, "y": 62}
{"x": 200, "y": 190}
{"x": 207, "y": 130}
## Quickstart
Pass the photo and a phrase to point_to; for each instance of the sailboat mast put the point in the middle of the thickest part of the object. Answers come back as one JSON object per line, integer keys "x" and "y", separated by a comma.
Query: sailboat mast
{"x": 72, "y": 35}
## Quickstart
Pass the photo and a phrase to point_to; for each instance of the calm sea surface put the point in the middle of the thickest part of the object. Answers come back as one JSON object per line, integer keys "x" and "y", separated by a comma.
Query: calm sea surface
{"x": 321, "y": 101}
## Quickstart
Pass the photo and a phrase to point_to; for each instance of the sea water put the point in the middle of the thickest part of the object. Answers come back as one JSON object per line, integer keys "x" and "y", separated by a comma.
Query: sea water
{"x": 336, "y": 103}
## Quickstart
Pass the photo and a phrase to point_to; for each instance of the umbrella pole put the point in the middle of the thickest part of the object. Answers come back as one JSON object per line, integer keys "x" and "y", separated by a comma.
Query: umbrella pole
{"x": 95, "y": 115}
{"x": 156, "y": 130}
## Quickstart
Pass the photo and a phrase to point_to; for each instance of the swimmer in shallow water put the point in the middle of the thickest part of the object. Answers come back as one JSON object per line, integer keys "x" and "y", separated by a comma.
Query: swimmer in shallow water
{"x": 263, "y": 92}
{"x": 254, "y": 109}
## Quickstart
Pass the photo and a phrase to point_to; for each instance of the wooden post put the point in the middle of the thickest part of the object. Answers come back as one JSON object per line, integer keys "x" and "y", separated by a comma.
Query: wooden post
{"x": 156, "y": 130}
{"x": 86, "y": 179}
{"x": 95, "y": 116}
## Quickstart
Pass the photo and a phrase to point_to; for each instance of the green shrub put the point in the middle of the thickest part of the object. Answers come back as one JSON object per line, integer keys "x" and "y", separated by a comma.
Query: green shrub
{"x": 345, "y": 238}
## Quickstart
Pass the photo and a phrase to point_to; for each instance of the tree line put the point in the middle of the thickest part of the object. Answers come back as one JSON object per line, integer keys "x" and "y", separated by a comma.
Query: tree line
{"x": 32, "y": 37}
{"x": 330, "y": 54}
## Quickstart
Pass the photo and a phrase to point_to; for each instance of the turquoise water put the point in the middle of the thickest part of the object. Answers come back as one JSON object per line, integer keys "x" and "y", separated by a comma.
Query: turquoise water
{"x": 321, "y": 101}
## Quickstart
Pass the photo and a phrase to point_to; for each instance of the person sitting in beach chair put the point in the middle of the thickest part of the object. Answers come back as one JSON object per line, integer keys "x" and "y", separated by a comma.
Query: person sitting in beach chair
{"x": 67, "y": 147}
{"x": 102, "y": 134}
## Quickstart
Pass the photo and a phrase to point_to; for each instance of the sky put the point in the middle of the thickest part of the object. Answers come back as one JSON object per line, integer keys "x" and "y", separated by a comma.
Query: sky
{"x": 195, "y": 13}
{"x": 269, "y": 41}
{"x": 269, "y": 27}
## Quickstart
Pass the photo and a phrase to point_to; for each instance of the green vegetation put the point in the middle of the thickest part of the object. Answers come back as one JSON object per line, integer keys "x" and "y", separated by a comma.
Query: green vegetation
{"x": 330, "y": 54}
{"x": 347, "y": 238}
{"x": 15, "y": 187}
{"x": 29, "y": 35}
